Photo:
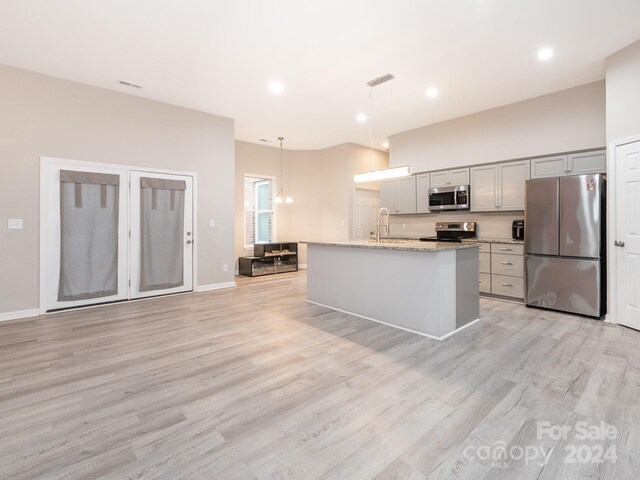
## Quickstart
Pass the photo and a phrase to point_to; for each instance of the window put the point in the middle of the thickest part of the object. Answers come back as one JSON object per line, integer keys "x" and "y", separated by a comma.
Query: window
{"x": 259, "y": 216}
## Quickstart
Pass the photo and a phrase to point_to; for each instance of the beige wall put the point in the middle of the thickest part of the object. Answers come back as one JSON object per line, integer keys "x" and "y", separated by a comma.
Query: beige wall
{"x": 45, "y": 116}
{"x": 572, "y": 119}
{"x": 320, "y": 181}
{"x": 623, "y": 93}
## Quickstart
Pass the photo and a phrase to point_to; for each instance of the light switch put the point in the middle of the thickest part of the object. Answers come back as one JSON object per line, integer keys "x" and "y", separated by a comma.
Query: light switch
{"x": 212, "y": 223}
{"x": 14, "y": 224}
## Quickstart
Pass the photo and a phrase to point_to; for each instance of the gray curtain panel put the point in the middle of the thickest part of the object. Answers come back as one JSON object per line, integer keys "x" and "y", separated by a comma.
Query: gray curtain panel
{"x": 88, "y": 235}
{"x": 162, "y": 233}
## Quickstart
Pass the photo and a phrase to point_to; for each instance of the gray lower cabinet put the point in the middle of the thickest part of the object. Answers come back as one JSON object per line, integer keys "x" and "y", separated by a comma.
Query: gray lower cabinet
{"x": 484, "y": 261}
{"x": 501, "y": 269}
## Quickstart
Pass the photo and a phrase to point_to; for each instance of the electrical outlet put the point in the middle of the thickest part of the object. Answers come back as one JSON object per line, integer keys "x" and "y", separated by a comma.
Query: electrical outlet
{"x": 404, "y": 226}
{"x": 14, "y": 224}
{"x": 225, "y": 268}
{"x": 212, "y": 223}
{"x": 342, "y": 223}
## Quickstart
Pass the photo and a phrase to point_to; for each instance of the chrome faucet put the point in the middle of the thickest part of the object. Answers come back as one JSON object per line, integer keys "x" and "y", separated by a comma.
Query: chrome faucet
{"x": 386, "y": 225}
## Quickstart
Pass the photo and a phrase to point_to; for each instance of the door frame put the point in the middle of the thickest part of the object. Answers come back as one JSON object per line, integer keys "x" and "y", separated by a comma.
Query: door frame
{"x": 46, "y": 162}
{"x": 352, "y": 206}
{"x": 135, "y": 236}
{"x": 612, "y": 227}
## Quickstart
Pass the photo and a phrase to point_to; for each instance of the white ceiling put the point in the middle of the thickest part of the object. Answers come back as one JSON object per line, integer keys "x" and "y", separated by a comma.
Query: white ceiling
{"x": 219, "y": 56}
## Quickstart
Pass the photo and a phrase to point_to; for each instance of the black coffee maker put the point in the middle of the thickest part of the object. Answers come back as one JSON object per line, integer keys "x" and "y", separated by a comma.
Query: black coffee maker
{"x": 517, "y": 230}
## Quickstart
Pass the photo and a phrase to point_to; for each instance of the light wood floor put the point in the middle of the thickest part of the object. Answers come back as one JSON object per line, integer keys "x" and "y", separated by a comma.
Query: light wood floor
{"x": 255, "y": 383}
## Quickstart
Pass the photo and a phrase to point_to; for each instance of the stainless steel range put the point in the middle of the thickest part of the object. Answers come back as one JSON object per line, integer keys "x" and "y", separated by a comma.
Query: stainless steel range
{"x": 453, "y": 232}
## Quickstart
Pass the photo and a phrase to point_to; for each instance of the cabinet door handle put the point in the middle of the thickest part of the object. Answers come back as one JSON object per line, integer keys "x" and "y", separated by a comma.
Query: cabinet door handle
{"x": 506, "y": 249}
{"x": 506, "y": 263}
{"x": 506, "y": 285}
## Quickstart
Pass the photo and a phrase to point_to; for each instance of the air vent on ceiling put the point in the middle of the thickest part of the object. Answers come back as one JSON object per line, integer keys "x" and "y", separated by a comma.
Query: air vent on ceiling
{"x": 129, "y": 84}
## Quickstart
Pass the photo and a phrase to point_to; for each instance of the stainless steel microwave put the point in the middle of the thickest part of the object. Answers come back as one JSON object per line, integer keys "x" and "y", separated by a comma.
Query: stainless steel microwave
{"x": 449, "y": 198}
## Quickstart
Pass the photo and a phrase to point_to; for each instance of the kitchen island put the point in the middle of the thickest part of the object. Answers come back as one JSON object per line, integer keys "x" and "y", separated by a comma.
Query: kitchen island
{"x": 426, "y": 288}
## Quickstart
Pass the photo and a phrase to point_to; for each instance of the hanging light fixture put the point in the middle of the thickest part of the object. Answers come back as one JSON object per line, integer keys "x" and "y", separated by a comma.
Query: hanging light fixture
{"x": 288, "y": 198}
{"x": 373, "y": 175}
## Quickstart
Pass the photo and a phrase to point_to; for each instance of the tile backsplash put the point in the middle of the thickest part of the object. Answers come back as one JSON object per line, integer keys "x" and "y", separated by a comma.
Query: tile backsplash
{"x": 489, "y": 224}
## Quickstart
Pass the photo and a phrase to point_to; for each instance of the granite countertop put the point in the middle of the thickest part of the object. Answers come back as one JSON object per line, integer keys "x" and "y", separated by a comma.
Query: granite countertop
{"x": 495, "y": 240}
{"x": 469, "y": 240}
{"x": 410, "y": 245}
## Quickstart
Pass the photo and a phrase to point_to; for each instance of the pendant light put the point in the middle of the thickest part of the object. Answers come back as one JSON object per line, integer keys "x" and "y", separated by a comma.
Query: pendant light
{"x": 288, "y": 198}
{"x": 372, "y": 175}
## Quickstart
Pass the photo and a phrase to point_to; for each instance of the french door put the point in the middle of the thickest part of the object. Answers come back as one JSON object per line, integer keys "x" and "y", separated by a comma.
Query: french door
{"x": 110, "y": 233}
{"x": 161, "y": 234}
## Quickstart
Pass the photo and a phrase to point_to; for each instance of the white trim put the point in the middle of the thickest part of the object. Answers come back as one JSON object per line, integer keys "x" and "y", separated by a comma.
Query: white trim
{"x": 46, "y": 162}
{"x": 215, "y": 286}
{"x": 274, "y": 179}
{"x": 612, "y": 227}
{"x": 396, "y": 326}
{"x": 32, "y": 312}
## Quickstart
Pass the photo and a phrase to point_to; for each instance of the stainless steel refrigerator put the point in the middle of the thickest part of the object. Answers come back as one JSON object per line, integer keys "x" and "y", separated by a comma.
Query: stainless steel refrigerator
{"x": 564, "y": 244}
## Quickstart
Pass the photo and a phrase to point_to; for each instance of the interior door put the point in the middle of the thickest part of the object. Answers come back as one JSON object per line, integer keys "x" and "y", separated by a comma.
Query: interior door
{"x": 84, "y": 235}
{"x": 627, "y": 236}
{"x": 365, "y": 209}
{"x": 161, "y": 234}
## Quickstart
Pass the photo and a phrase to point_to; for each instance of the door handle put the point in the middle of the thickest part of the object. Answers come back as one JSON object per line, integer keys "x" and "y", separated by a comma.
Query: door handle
{"x": 618, "y": 244}
{"x": 189, "y": 241}
{"x": 506, "y": 285}
{"x": 506, "y": 263}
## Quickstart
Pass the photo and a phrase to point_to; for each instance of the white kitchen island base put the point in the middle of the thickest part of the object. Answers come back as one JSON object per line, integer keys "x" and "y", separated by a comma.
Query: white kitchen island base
{"x": 429, "y": 289}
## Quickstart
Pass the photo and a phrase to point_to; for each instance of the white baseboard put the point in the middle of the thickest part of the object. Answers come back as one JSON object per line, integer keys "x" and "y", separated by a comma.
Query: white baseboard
{"x": 397, "y": 326}
{"x": 215, "y": 286}
{"x": 32, "y": 312}
{"x": 302, "y": 266}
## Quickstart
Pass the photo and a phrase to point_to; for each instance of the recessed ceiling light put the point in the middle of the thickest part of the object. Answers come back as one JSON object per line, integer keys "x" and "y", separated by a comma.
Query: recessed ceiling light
{"x": 385, "y": 144}
{"x": 545, "y": 54}
{"x": 276, "y": 88}
{"x": 362, "y": 117}
{"x": 432, "y": 92}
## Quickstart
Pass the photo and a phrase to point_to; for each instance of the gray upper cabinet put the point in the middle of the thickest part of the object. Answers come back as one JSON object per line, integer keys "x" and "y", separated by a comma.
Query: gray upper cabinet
{"x": 407, "y": 195}
{"x": 549, "y": 166}
{"x": 586, "y": 162}
{"x": 512, "y": 177}
{"x": 459, "y": 176}
{"x": 571, "y": 164}
{"x": 484, "y": 188}
{"x": 389, "y": 195}
{"x": 399, "y": 195}
{"x": 422, "y": 193}
{"x": 499, "y": 187}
